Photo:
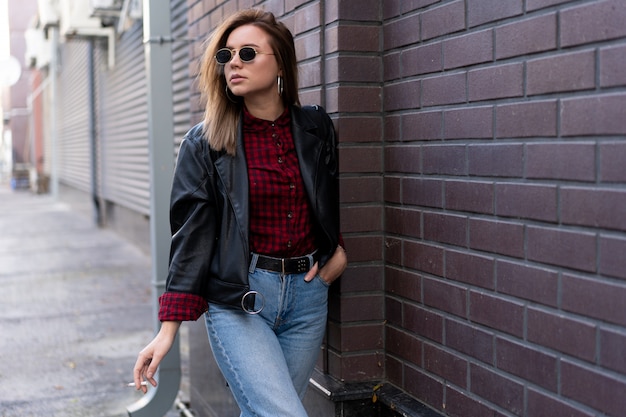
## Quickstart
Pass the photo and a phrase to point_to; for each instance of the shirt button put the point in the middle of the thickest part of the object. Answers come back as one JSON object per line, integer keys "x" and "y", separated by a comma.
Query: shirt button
{"x": 280, "y": 159}
{"x": 290, "y": 215}
{"x": 292, "y": 186}
{"x": 289, "y": 243}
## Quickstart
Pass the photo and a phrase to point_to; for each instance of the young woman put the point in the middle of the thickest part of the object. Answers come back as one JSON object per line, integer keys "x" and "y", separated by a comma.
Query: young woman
{"x": 255, "y": 221}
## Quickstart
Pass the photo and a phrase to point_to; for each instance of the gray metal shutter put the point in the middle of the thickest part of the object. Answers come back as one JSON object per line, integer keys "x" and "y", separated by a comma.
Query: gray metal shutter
{"x": 73, "y": 117}
{"x": 180, "y": 70}
{"x": 123, "y": 125}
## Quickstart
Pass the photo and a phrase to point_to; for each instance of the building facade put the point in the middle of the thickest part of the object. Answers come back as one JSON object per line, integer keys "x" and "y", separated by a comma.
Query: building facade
{"x": 483, "y": 193}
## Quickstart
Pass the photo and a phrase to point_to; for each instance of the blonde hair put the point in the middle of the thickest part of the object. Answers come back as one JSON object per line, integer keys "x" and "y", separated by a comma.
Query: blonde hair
{"x": 223, "y": 110}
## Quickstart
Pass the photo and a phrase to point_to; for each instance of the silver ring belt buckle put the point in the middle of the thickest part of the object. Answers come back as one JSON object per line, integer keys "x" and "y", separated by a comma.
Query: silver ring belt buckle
{"x": 253, "y": 294}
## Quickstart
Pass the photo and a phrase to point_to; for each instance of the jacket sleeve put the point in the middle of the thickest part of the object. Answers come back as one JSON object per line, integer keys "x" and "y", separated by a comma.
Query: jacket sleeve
{"x": 193, "y": 227}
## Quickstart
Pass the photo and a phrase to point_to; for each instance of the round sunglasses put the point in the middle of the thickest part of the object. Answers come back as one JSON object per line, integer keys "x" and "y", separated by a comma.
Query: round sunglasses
{"x": 246, "y": 54}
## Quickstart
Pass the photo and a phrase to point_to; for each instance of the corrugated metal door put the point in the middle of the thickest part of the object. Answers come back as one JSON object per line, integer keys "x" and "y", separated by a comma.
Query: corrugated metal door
{"x": 180, "y": 70}
{"x": 73, "y": 117}
{"x": 123, "y": 124}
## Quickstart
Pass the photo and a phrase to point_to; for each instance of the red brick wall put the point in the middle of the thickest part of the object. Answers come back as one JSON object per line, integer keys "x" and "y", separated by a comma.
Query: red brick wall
{"x": 483, "y": 160}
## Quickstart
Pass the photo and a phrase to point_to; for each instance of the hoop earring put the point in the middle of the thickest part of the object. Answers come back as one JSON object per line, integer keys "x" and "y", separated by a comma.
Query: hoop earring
{"x": 280, "y": 85}
{"x": 230, "y": 95}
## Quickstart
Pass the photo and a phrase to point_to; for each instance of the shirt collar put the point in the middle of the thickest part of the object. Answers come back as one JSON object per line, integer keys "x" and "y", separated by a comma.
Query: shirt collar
{"x": 251, "y": 123}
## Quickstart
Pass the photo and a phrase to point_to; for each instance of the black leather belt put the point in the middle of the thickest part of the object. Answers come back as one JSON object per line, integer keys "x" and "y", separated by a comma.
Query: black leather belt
{"x": 285, "y": 266}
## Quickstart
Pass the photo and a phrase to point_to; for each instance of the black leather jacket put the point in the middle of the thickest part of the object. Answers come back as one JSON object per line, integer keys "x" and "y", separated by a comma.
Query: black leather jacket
{"x": 209, "y": 216}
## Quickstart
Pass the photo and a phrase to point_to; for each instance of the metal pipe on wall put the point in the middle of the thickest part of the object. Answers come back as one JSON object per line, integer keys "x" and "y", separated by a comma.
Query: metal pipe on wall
{"x": 158, "y": 57}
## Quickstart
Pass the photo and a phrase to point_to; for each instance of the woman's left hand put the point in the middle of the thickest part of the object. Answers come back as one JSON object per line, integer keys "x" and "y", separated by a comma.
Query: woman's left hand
{"x": 333, "y": 268}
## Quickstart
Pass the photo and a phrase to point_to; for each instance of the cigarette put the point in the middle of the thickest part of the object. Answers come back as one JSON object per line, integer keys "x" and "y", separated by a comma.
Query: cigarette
{"x": 143, "y": 384}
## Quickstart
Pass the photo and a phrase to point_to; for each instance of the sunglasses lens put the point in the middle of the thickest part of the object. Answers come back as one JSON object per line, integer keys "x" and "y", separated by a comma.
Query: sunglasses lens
{"x": 247, "y": 54}
{"x": 223, "y": 56}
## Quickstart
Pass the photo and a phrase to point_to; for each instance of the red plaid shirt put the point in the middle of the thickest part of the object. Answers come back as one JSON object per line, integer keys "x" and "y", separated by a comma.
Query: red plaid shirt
{"x": 281, "y": 224}
{"x": 280, "y": 218}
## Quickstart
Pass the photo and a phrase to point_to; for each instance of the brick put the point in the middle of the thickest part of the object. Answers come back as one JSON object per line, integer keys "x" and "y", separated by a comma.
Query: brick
{"x": 566, "y": 161}
{"x": 500, "y": 81}
{"x": 393, "y": 189}
{"x": 444, "y": 159}
{"x": 496, "y": 160}
{"x": 485, "y": 11}
{"x": 421, "y": 60}
{"x": 543, "y": 403}
{"x": 352, "y": 308}
{"x": 423, "y": 323}
{"x": 446, "y": 365}
{"x": 445, "y": 228}
{"x": 361, "y": 278}
{"x": 444, "y": 89}
{"x": 355, "y": 69}
{"x": 499, "y": 237}
{"x": 423, "y": 257}
{"x": 393, "y": 312}
{"x": 394, "y": 369}
{"x": 592, "y": 22}
{"x": 392, "y": 128}
{"x": 361, "y": 219}
{"x": 527, "y": 201}
{"x": 595, "y": 115}
{"x": 581, "y": 295}
{"x": 353, "y": 338}
{"x": 392, "y": 66}
{"x": 612, "y": 344}
{"x": 565, "y": 72}
{"x": 468, "y": 123}
{"x": 564, "y": 334}
{"x": 443, "y": 20}
{"x": 393, "y": 251}
{"x": 309, "y": 74}
{"x": 527, "y": 363}
{"x": 364, "y": 248}
{"x": 472, "y": 269}
{"x": 594, "y": 207}
{"x": 612, "y": 259}
{"x": 458, "y": 404}
{"x": 539, "y": 285}
{"x": 352, "y": 38}
{"x": 354, "y": 99}
{"x": 368, "y": 11}
{"x": 525, "y": 37}
{"x": 422, "y": 192}
{"x": 471, "y": 340}
{"x": 401, "y": 32}
{"x": 403, "y": 345}
{"x": 612, "y": 157}
{"x": 470, "y": 196}
{"x": 404, "y": 222}
{"x": 359, "y": 129}
{"x": 612, "y": 63}
{"x": 403, "y": 284}
{"x": 496, "y": 388}
{"x": 402, "y": 159}
{"x": 363, "y": 367}
{"x": 593, "y": 388}
{"x": 362, "y": 189}
{"x": 423, "y": 386}
{"x": 306, "y": 18}
{"x": 470, "y": 49}
{"x": 403, "y": 95}
{"x": 425, "y": 125}
{"x": 445, "y": 296}
{"x": 361, "y": 159}
{"x": 497, "y": 313}
{"x": 528, "y": 119}
{"x": 576, "y": 250}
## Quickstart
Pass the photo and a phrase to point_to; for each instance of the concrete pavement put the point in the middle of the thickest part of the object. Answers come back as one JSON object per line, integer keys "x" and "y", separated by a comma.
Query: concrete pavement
{"x": 75, "y": 308}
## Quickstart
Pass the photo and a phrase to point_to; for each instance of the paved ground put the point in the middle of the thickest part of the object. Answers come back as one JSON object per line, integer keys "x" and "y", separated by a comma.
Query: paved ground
{"x": 75, "y": 308}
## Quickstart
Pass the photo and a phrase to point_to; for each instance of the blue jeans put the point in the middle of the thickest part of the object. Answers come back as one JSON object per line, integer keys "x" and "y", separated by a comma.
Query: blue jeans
{"x": 267, "y": 358}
